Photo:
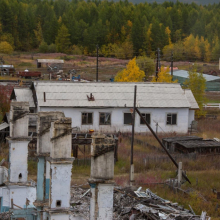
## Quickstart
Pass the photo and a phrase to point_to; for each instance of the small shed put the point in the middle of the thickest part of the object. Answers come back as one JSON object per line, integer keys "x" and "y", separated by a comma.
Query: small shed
{"x": 40, "y": 62}
{"x": 170, "y": 143}
{"x": 212, "y": 82}
{"x": 198, "y": 146}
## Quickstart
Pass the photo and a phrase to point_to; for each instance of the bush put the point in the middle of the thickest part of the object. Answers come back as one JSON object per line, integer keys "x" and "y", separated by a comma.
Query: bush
{"x": 52, "y": 48}
{"x": 76, "y": 50}
{"x": 5, "y": 47}
{"x": 43, "y": 48}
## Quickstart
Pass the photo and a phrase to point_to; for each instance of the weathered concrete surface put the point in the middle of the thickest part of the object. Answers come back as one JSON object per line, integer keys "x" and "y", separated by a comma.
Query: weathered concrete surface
{"x": 60, "y": 185}
{"x": 43, "y": 130}
{"x": 19, "y": 119}
{"x": 3, "y": 175}
{"x": 102, "y": 174}
{"x": 19, "y": 194}
{"x": 18, "y": 170}
{"x": 61, "y": 138}
{"x": 102, "y": 161}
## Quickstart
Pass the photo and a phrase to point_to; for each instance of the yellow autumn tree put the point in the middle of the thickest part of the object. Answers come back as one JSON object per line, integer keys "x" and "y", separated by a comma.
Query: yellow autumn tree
{"x": 131, "y": 73}
{"x": 168, "y": 33}
{"x": 5, "y": 47}
{"x": 164, "y": 76}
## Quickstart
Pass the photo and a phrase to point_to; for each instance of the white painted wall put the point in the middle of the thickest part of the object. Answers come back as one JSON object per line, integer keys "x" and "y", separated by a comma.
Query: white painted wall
{"x": 18, "y": 160}
{"x": 191, "y": 117}
{"x": 117, "y": 119}
{"x": 105, "y": 201}
{"x": 60, "y": 185}
{"x": 18, "y": 194}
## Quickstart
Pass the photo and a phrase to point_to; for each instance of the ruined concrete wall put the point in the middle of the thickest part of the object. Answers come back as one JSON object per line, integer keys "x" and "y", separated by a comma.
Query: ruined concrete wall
{"x": 18, "y": 170}
{"x": 43, "y": 130}
{"x": 19, "y": 119}
{"x": 60, "y": 185}
{"x": 102, "y": 161}
{"x": 105, "y": 201}
{"x": 102, "y": 174}
{"x": 61, "y": 137}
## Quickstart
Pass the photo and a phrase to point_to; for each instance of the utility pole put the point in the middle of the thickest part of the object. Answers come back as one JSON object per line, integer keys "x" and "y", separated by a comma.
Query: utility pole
{"x": 132, "y": 139}
{"x": 157, "y": 63}
{"x": 97, "y": 62}
{"x": 171, "y": 66}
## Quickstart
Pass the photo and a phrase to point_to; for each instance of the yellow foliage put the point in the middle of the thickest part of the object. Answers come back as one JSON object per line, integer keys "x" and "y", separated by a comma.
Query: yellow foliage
{"x": 164, "y": 76}
{"x": 168, "y": 33}
{"x": 5, "y": 47}
{"x": 132, "y": 73}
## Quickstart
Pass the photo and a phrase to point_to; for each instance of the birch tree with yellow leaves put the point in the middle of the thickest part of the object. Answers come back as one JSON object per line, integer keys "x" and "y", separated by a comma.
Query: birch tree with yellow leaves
{"x": 164, "y": 76}
{"x": 131, "y": 73}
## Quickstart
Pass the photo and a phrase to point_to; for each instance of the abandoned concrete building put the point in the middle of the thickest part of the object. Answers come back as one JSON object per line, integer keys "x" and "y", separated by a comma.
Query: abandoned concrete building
{"x": 50, "y": 198}
{"x": 106, "y": 107}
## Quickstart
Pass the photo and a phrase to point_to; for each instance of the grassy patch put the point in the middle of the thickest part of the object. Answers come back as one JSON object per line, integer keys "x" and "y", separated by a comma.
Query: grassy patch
{"x": 25, "y": 64}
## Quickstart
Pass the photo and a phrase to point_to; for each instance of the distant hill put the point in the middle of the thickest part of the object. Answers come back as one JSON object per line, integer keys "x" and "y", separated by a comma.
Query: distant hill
{"x": 199, "y": 2}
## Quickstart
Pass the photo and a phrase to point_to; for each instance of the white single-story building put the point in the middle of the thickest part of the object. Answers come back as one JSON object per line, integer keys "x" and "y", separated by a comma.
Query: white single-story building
{"x": 106, "y": 107}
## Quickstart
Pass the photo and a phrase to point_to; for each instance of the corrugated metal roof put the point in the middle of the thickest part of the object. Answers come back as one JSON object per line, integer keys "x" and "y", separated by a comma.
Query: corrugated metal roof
{"x": 3, "y": 126}
{"x": 24, "y": 95}
{"x": 184, "y": 74}
{"x": 152, "y": 95}
{"x": 191, "y": 99}
{"x": 6, "y": 66}
{"x": 49, "y": 61}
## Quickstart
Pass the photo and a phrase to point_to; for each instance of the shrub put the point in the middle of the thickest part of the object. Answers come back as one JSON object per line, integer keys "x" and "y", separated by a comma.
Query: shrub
{"x": 43, "y": 48}
{"x": 52, "y": 48}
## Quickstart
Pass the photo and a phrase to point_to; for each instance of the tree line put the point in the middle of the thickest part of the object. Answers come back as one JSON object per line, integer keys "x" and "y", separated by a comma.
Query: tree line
{"x": 120, "y": 29}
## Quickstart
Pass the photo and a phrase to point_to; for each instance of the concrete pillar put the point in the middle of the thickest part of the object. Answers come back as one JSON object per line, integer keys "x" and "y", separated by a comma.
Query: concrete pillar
{"x": 43, "y": 153}
{"x": 101, "y": 178}
{"x": 180, "y": 174}
{"x": 60, "y": 167}
{"x": 18, "y": 142}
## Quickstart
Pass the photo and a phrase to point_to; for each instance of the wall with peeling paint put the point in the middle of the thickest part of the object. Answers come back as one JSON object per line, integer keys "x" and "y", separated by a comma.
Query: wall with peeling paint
{"x": 60, "y": 185}
{"x": 117, "y": 119}
{"x": 105, "y": 201}
{"x": 18, "y": 161}
{"x": 18, "y": 194}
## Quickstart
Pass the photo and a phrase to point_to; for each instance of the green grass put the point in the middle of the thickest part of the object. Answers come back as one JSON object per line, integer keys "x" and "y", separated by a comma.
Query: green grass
{"x": 25, "y": 64}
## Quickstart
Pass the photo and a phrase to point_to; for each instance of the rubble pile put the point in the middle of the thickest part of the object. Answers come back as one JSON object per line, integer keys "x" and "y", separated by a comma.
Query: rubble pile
{"x": 136, "y": 205}
{"x": 80, "y": 201}
{"x": 5, "y": 215}
{"x": 131, "y": 203}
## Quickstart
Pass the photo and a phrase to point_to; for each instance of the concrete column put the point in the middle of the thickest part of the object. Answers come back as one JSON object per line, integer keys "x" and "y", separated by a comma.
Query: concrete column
{"x": 60, "y": 167}
{"x": 180, "y": 174}
{"x": 101, "y": 178}
{"x": 43, "y": 152}
{"x": 18, "y": 142}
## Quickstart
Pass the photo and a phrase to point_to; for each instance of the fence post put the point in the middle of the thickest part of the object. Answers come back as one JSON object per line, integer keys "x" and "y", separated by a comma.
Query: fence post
{"x": 179, "y": 174}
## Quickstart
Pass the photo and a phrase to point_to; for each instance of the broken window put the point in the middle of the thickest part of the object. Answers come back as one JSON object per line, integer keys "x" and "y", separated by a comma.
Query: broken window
{"x": 104, "y": 118}
{"x": 171, "y": 119}
{"x": 20, "y": 176}
{"x": 146, "y": 117}
{"x": 127, "y": 118}
{"x": 87, "y": 118}
{"x": 58, "y": 203}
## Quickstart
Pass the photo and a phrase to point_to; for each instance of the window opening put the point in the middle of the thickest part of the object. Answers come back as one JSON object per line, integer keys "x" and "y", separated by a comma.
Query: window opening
{"x": 127, "y": 118}
{"x": 87, "y": 118}
{"x": 104, "y": 118}
{"x": 58, "y": 203}
{"x": 20, "y": 176}
{"x": 146, "y": 117}
{"x": 171, "y": 119}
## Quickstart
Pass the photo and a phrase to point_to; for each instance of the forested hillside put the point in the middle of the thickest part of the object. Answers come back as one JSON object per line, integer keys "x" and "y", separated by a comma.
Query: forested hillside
{"x": 199, "y": 2}
{"x": 121, "y": 29}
